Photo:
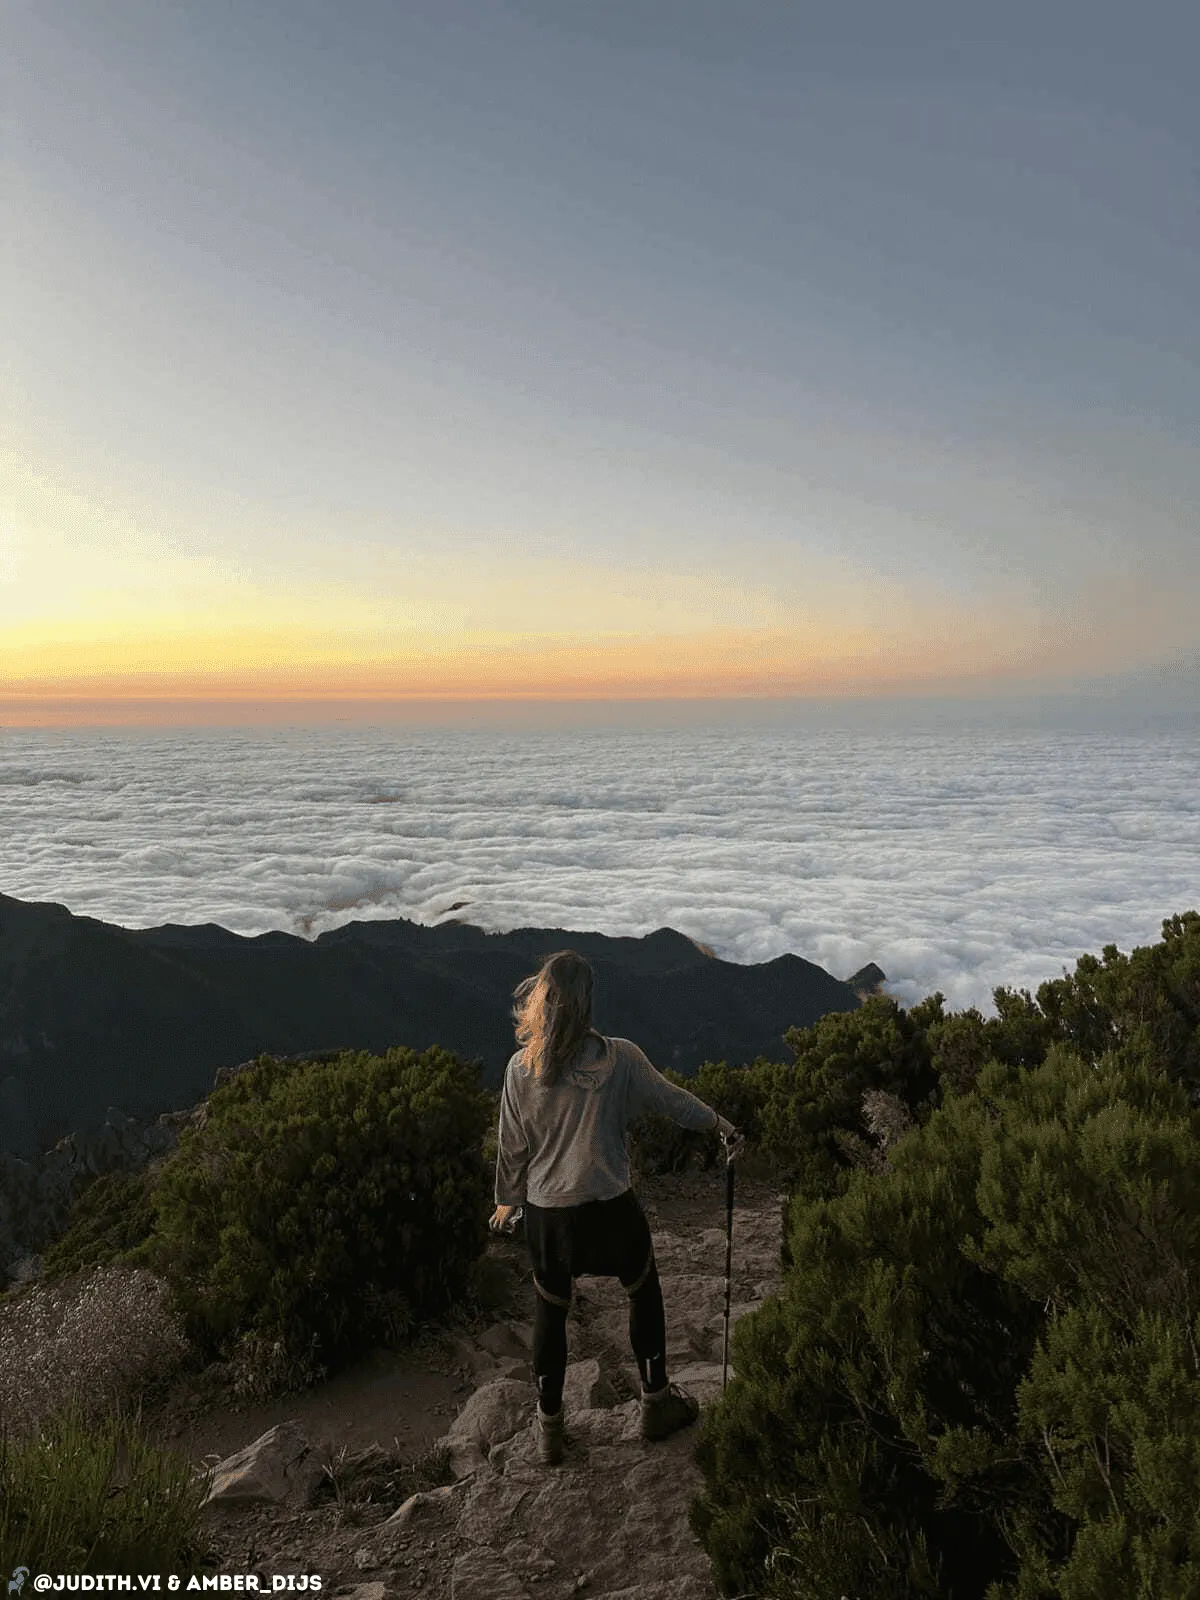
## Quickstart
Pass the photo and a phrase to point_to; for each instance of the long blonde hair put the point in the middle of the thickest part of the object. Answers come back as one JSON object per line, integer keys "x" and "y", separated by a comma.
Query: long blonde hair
{"x": 553, "y": 1013}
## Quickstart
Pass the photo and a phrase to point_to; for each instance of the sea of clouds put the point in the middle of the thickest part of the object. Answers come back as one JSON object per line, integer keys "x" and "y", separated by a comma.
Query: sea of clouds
{"x": 956, "y": 860}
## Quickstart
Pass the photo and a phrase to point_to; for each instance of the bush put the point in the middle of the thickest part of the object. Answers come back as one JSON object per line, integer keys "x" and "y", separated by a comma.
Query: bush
{"x": 323, "y": 1207}
{"x": 981, "y": 1378}
{"x": 819, "y": 1463}
{"x": 95, "y": 1497}
{"x": 108, "y": 1220}
{"x": 813, "y": 1124}
{"x": 1146, "y": 1004}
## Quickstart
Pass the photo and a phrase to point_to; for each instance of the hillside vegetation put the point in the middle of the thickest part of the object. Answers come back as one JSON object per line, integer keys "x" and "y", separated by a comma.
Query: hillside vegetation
{"x": 980, "y": 1378}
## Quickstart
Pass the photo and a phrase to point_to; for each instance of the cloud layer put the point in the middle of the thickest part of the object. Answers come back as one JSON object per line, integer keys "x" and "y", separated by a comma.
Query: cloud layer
{"x": 955, "y": 860}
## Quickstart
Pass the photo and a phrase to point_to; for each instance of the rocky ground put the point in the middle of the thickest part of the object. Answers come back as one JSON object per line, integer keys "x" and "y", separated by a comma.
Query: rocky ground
{"x": 326, "y": 1490}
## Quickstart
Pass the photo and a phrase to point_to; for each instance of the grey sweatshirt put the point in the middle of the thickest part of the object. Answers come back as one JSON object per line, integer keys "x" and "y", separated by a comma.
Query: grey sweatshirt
{"x": 562, "y": 1144}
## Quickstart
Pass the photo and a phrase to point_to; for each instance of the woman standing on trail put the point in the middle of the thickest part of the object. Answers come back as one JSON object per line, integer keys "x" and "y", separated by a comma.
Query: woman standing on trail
{"x": 569, "y": 1096}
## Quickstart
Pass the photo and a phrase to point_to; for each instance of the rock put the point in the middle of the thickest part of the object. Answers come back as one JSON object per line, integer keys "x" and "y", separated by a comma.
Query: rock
{"x": 426, "y": 1499}
{"x": 483, "y": 1574}
{"x": 368, "y": 1591}
{"x": 277, "y": 1467}
{"x": 361, "y": 1460}
{"x": 585, "y": 1387}
{"x": 465, "y": 1453}
{"x": 494, "y": 1412}
{"x": 502, "y": 1341}
{"x": 518, "y": 1371}
{"x": 684, "y": 1587}
{"x": 500, "y": 1352}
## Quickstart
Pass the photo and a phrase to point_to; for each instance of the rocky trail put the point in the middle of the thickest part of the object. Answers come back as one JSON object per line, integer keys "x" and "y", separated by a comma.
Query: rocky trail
{"x": 608, "y": 1523}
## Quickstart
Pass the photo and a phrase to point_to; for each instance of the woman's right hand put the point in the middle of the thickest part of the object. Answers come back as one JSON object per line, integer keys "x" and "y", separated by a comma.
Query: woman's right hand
{"x": 733, "y": 1140}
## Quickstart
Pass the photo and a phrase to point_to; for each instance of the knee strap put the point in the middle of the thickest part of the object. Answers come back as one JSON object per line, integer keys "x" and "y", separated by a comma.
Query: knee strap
{"x": 554, "y": 1299}
{"x": 633, "y": 1288}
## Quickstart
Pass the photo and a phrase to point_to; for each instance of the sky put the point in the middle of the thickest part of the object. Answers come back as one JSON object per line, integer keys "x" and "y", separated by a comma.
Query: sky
{"x": 365, "y": 356}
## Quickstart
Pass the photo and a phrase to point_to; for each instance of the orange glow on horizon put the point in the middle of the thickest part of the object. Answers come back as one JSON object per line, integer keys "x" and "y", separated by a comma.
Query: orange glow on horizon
{"x": 732, "y": 666}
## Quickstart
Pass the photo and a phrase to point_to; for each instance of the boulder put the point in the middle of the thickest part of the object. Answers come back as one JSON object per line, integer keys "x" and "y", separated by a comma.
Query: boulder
{"x": 506, "y": 1342}
{"x": 493, "y": 1413}
{"x": 464, "y": 1451}
{"x": 586, "y": 1388}
{"x": 500, "y": 1352}
{"x": 278, "y": 1467}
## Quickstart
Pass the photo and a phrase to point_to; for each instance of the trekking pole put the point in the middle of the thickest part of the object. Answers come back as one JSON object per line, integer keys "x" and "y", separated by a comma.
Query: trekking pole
{"x": 728, "y": 1143}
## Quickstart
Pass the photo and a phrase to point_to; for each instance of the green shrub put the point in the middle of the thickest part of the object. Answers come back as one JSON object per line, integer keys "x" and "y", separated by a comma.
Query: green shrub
{"x": 1091, "y": 1186}
{"x": 1146, "y": 1003}
{"x": 981, "y": 1377}
{"x": 111, "y": 1217}
{"x": 94, "y": 1497}
{"x": 324, "y": 1206}
{"x": 819, "y": 1459}
{"x": 812, "y": 1125}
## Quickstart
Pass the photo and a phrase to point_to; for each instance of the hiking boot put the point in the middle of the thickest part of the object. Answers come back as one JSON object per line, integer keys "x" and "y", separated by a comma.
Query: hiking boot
{"x": 549, "y": 1432}
{"x": 667, "y": 1411}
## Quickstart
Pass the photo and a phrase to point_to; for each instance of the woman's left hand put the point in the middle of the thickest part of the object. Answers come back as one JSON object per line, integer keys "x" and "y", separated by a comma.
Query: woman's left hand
{"x": 499, "y": 1217}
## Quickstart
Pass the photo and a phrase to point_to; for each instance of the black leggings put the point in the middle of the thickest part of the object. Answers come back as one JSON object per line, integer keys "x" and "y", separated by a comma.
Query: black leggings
{"x": 603, "y": 1238}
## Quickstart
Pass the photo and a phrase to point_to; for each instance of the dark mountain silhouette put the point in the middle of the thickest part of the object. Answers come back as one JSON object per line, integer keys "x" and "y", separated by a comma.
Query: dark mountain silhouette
{"x": 93, "y": 1015}
{"x": 867, "y": 981}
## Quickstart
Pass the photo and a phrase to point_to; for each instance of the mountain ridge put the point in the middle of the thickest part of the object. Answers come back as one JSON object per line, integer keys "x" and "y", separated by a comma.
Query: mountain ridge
{"x": 94, "y": 1015}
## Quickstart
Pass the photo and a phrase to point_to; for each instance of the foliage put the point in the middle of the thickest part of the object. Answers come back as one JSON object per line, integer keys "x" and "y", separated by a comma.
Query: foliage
{"x": 96, "y": 1497}
{"x": 874, "y": 1397}
{"x": 813, "y": 1125}
{"x": 981, "y": 1378}
{"x": 809, "y": 1122}
{"x": 111, "y": 1217}
{"x": 324, "y": 1206}
{"x": 1146, "y": 1004}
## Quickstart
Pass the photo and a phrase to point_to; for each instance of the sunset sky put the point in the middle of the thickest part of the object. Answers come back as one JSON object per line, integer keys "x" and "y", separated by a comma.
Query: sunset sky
{"x": 358, "y": 352}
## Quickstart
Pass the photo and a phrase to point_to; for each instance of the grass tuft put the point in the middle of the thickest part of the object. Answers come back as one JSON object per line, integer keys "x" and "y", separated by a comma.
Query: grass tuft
{"x": 375, "y": 1480}
{"x": 88, "y": 1495}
